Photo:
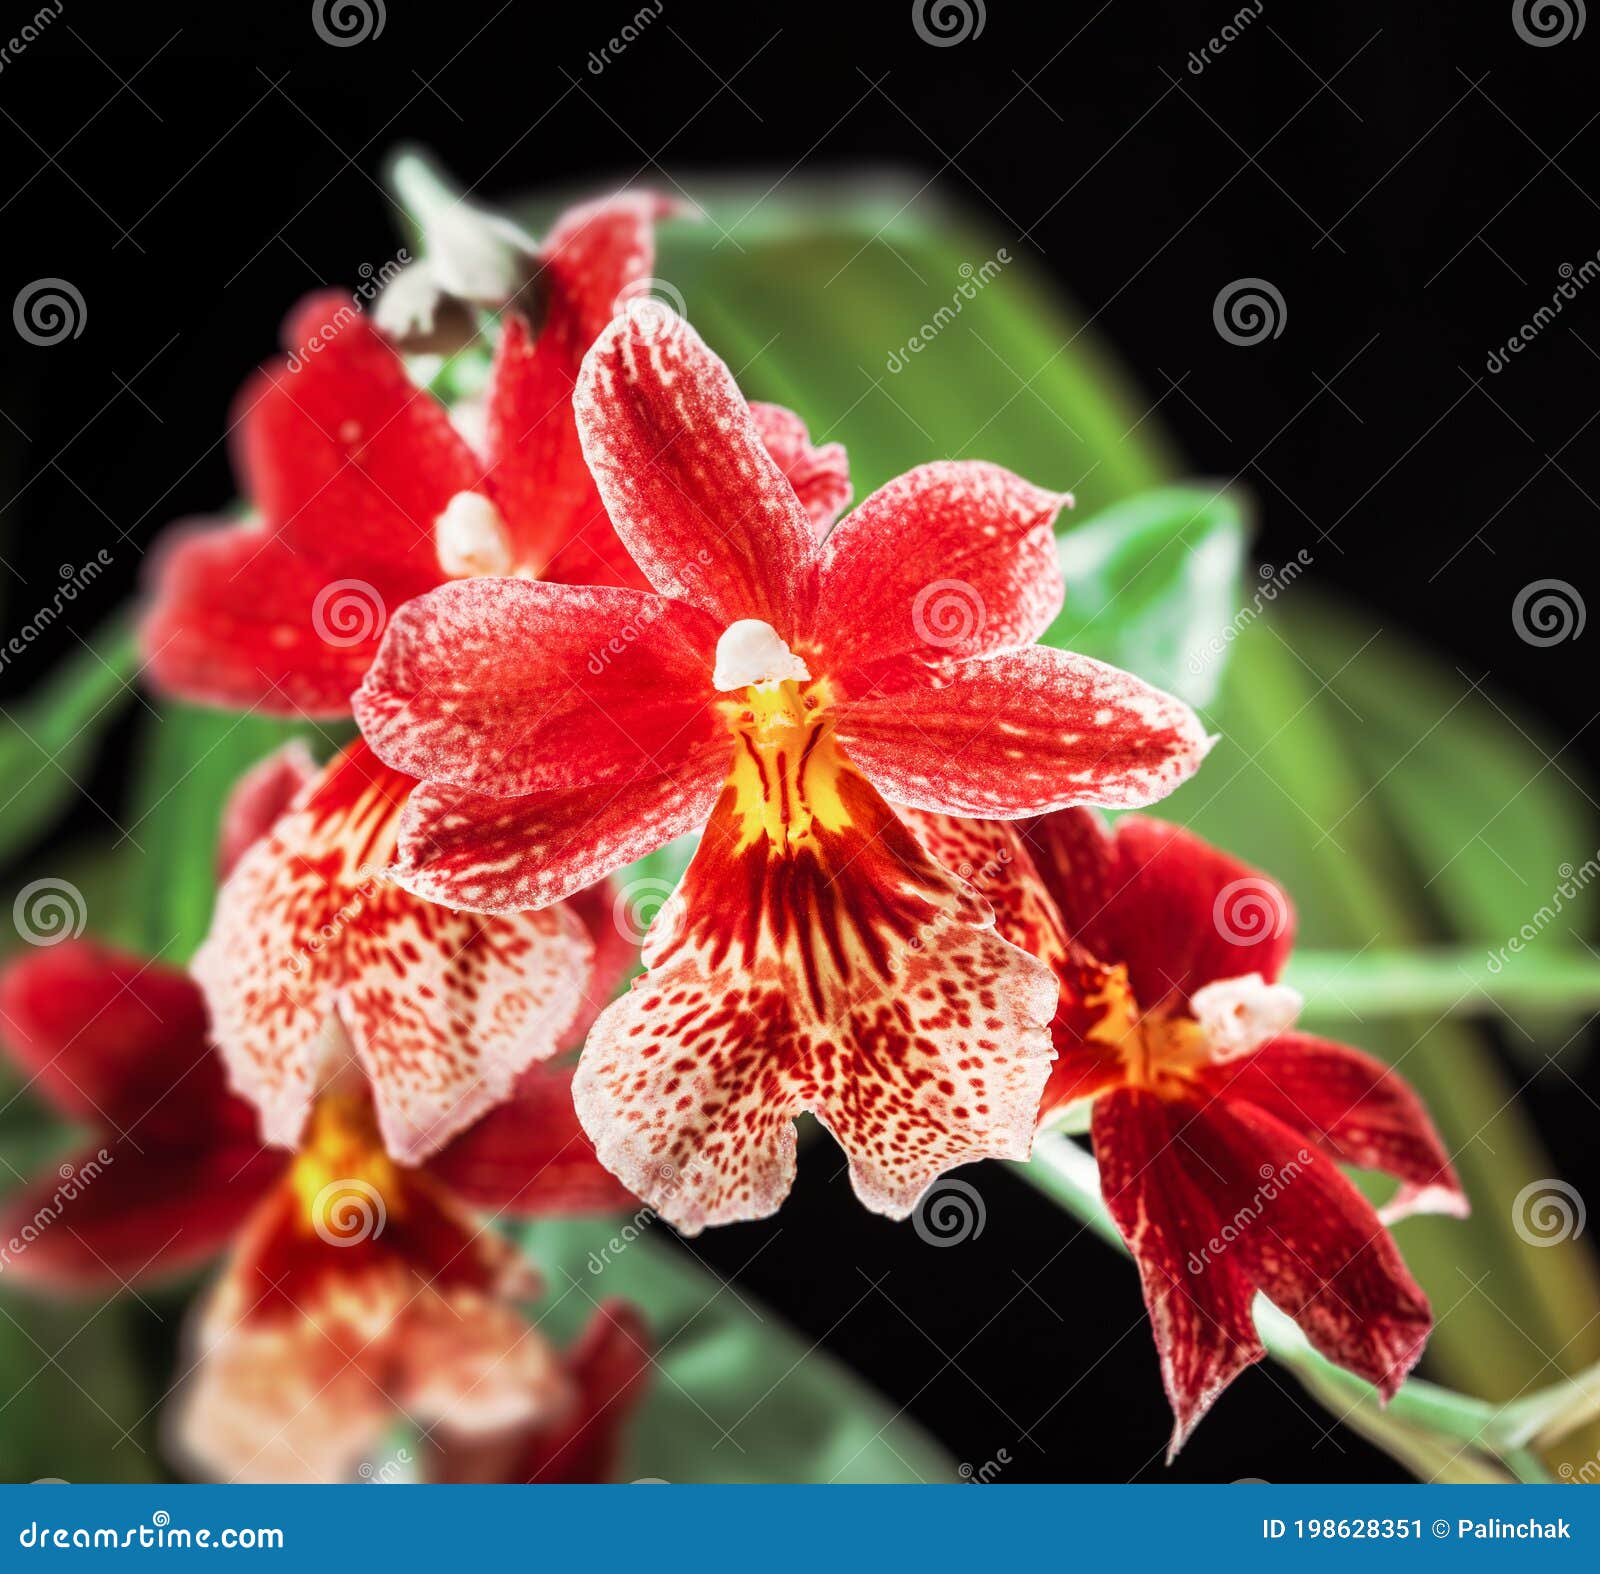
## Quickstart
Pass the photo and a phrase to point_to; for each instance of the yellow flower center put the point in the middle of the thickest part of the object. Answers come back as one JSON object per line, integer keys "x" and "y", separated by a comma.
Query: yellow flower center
{"x": 1157, "y": 1048}
{"x": 343, "y": 1153}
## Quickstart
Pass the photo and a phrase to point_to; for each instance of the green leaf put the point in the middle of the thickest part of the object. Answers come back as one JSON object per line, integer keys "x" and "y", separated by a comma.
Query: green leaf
{"x": 189, "y": 761}
{"x": 1154, "y": 585}
{"x": 1350, "y": 986}
{"x": 734, "y": 1394}
{"x": 48, "y": 740}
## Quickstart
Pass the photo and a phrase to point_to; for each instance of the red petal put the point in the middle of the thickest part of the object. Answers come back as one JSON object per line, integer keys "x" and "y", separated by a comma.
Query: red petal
{"x": 344, "y": 455}
{"x": 1354, "y": 1107}
{"x": 590, "y": 260}
{"x": 530, "y": 1156}
{"x": 118, "y": 1042}
{"x": 1316, "y": 1248}
{"x": 691, "y": 490}
{"x": 1204, "y": 1332}
{"x": 259, "y": 799}
{"x": 510, "y": 687}
{"x": 116, "y": 1215}
{"x": 839, "y": 972}
{"x": 1179, "y": 912}
{"x": 1021, "y": 733}
{"x": 951, "y": 559}
{"x": 510, "y": 855}
{"x": 820, "y": 476}
{"x": 444, "y": 1009}
{"x": 239, "y": 618}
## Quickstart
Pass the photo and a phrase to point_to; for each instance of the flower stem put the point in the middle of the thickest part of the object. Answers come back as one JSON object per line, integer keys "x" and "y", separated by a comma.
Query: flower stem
{"x": 1067, "y": 1174}
{"x": 1350, "y": 986}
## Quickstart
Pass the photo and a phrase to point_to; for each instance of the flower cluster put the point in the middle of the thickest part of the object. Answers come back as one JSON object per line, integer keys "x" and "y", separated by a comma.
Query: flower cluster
{"x": 610, "y": 602}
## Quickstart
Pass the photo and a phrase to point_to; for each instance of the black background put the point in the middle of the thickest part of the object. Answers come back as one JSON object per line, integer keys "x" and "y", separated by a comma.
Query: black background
{"x": 1411, "y": 178}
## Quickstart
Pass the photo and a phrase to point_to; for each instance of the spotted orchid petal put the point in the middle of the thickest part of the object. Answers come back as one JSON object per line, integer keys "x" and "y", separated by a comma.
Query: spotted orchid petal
{"x": 813, "y": 958}
{"x": 314, "y": 954}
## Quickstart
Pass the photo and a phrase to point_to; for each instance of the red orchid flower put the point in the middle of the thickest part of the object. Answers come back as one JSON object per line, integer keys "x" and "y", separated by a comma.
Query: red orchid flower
{"x": 369, "y": 495}
{"x": 1218, "y": 1128}
{"x": 813, "y": 958}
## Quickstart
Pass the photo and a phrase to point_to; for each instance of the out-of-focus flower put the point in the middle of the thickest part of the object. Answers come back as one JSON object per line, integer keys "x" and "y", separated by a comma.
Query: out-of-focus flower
{"x": 813, "y": 958}
{"x": 362, "y": 1291}
{"x": 1219, "y": 1129}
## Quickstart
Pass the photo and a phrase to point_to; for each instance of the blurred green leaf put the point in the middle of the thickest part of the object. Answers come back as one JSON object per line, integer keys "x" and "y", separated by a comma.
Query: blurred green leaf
{"x": 48, "y": 740}
{"x": 1154, "y": 585}
{"x": 189, "y": 761}
{"x": 1346, "y": 986}
{"x": 735, "y": 1395}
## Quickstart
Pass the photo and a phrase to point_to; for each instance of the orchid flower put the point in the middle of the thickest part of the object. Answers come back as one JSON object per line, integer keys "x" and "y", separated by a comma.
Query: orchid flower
{"x": 782, "y": 693}
{"x": 368, "y": 495}
{"x": 1218, "y": 1127}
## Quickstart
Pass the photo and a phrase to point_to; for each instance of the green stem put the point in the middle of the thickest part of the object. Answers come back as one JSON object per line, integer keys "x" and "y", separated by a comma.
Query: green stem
{"x": 1066, "y": 1173}
{"x": 1459, "y": 981}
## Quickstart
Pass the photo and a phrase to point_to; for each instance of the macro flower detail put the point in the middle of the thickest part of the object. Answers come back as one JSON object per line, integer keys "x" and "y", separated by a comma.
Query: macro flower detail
{"x": 315, "y": 955}
{"x": 1219, "y": 1129}
{"x": 778, "y": 691}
